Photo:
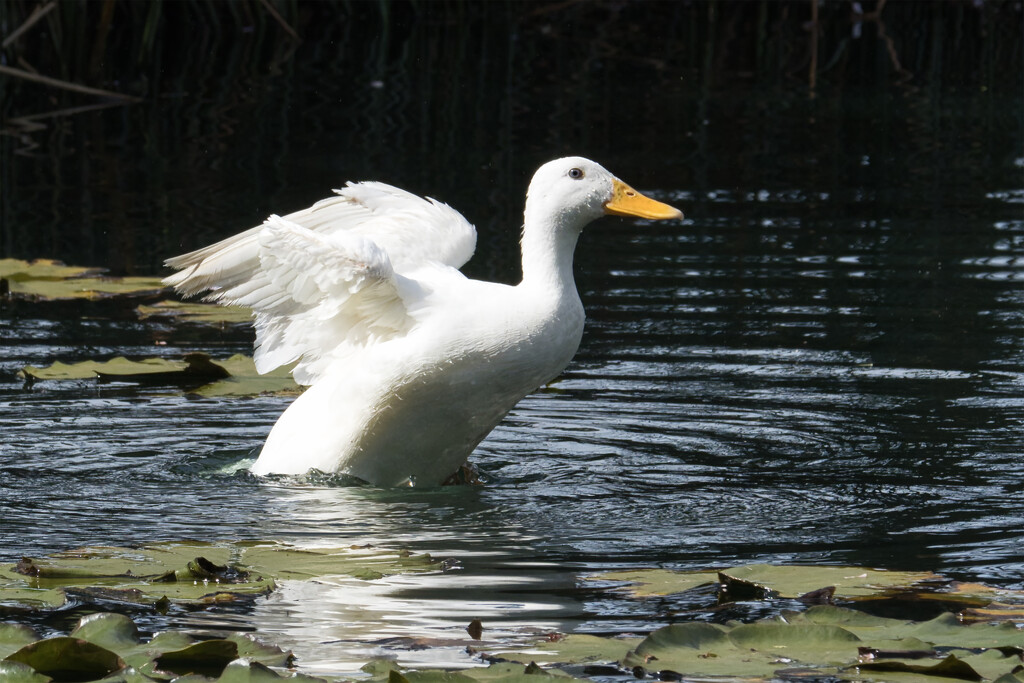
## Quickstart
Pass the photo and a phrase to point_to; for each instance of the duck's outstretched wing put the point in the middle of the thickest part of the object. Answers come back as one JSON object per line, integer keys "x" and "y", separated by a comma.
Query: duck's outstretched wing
{"x": 317, "y": 296}
{"x": 411, "y": 231}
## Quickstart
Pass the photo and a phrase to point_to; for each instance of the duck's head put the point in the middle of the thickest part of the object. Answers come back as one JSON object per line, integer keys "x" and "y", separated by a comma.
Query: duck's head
{"x": 575, "y": 191}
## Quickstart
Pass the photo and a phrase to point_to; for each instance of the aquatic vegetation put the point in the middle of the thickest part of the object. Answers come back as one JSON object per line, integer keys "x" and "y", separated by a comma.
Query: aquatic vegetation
{"x": 48, "y": 280}
{"x": 195, "y": 312}
{"x": 196, "y": 373}
{"x": 822, "y": 641}
{"x": 192, "y": 573}
{"x": 763, "y": 581}
{"x": 107, "y": 646}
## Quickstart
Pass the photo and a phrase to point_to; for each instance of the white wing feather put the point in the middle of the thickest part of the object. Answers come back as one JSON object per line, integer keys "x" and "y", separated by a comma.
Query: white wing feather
{"x": 322, "y": 281}
{"x": 317, "y": 297}
{"x": 410, "y": 229}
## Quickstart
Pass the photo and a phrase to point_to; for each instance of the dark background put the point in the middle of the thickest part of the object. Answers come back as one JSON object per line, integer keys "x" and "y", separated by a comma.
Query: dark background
{"x": 252, "y": 107}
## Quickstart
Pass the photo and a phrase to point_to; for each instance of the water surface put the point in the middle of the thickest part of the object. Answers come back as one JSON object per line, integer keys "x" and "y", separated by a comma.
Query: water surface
{"x": 822, "y": 363}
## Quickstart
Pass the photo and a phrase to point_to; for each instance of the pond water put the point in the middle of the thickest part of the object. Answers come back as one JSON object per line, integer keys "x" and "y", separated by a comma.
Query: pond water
{"x": 822, "y": 364}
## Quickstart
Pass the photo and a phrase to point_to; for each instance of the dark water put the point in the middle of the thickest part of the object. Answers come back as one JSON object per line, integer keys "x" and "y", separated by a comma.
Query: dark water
{"x": 822, "y": 364}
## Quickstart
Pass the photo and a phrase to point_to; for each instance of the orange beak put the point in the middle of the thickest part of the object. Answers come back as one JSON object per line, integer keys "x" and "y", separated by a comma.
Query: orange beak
{"x": 626, "y": 201}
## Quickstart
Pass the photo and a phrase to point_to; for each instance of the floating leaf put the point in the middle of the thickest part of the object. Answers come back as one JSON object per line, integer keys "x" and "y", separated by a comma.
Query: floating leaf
{"x": 16, "y": 672}
{"x": 207, "y": 658}
{"x": 244, "y": 380}
{"x": 108, "y": 630}
{"x": 88, "y": 288}
{"x": 16, "y": 270}
{"x": 250, "y": 647}
{"x": 119, "y": 366}
{"x": 502, "y": 672}
{"x": 571, "y": 649}
{"x": 196, "y": 312}
{"x": 945, "y": 630}
{"x": 788, "y": 581}
{"x": 104, "y": 647}
{"x": 13, "y": 637}
{"x": 994, "y": 612}
{"x": 762, "y": 581}
{"x": 46, "y": 280}
{"x": 650, "y": 582}
{"x": 361, "y": 562}
{"x": 66, "y": 658}
{"x": 950, "y": 667}
{"x": 193, "y": 572}
{"x": 242, "y": 671}
{"x": 233, "y": 376}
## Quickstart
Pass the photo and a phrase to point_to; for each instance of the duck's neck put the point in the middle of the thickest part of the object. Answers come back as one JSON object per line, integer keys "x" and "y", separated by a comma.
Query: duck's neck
{"x": 547, "y": 254}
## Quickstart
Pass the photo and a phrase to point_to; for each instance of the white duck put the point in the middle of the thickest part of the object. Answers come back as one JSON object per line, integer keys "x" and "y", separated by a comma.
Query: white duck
{"x": 409, "y": 363}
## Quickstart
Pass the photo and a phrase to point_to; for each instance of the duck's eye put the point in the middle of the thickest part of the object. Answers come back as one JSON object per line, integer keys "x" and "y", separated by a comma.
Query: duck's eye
{"x": 575, "y": 173}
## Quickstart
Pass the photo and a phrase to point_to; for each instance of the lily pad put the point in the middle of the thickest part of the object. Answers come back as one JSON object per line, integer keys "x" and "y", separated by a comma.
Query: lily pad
{"x": 106, "y": 648}
{"x": 115, "y": 367}
{"x": 823, "y": 641}
{"x": 16, "y": 672}
{"x": 500, "y": 672}
{"x": 107, "y": 629}
{"x": 244, "y": 380}
{"x": 995, "y": 611}
{"x": 189, "y": 573}
{"x": 88, "y": 288}
{"x": 788, "y": 581}
{"x": 243, "y": 671}
{"x": 643, "y": 583}
{"x": 208, "y": 658}
{"x": 195, "y": 312}
{"x": 47, "y": 280}
{"x": 16, "y": 270}
{"x": 13, "y": 637}
{"x": 200, "y": 374}
{"x": 571, "y": 649}
{"x": 67, "y": 658}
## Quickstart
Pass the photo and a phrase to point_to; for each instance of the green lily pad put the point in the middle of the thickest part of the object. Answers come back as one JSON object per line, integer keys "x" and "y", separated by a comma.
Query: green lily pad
{"x": 16, "y": 672}
{"x": 995, "y": 611}
{"x": 105, "y": 647}
{"x": 950, "y": 667}
{"x": 242, "y": 671}
{"x": 16, "y": 270}
{"x": 208, "y": 658}
{"x": 788, "y": 581}
{"x": 761, "y": 581}
{"x": 195, "y": 312}
{"x": 824, "y": 641}
{"x": 88, "y": 288}
{"x": 47, "y": 280}
{"x": 643, "y": 583}
{"x": 500, "y": 672}
{"x": 108, "y": 630}
{"x": 188, "y": 572}
{"x": 570, "y": 649}
{"x": 244, "y": 380}
{"x": 362, "y": 562}
{"x": 13, "y": 637}
{"x": 945, "y": 630}
{"x": 67, "y": 658}
{"x": 233, "y": 376}
{"x": 116, "y": 367}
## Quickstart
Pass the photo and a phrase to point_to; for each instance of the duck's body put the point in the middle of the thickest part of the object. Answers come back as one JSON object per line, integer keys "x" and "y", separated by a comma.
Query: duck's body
{"x": 410, "y": 364}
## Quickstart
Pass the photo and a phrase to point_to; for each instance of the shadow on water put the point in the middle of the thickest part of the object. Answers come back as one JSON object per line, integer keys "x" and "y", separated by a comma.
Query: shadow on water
{"x": 821, "y": 364}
